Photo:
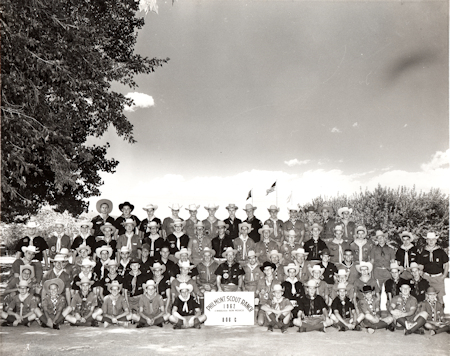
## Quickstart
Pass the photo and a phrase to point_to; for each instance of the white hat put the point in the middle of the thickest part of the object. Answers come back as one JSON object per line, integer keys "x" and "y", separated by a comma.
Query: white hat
{"x": 431, "y": 236}
{"x": 124, "y": 249}
{"x": 87, "y": 263}
{"x": 185, "y": 264}
{"x": 32, "y": 249}
{"x": 158, "y": 265}
{"x": 292, "y": 233}
{"x": 181, "y": 252}
{"x": 84, "y": 247}
{"x": 185, "y": 286}
{"x": 265, "y": 228}
{"x": 293, "y": 208}
{"x": 84, "y": 280}
{"x": 343, "y": 210}
{"x": 273, "y": 207}
{"x": 199, "y": 224}
{"x": 129, "y": 222}
{"x": 104, "y": 201}
{"x": 176, "y": 207}
{"x": 342, "y": 286}
{"x": 252, "y": 253}
{"x": 59, "y": 222}
{"x": 299, "y": 251}
{"x": 106, "y": 248}
{"x": 275, "y": 252}
{"x": 291, "y": 266}
{"x": 150, "y": 206}
{"x": 109, "y": 226}
{"x": 277, "y": 288}
{"x": 211, "y": 206}
{"x": 192, "y": 207}
{"x": 231, "y": 207}
{"x": 114, "y": 283}
{"x": 342, "y": 272}
{"x": 317, "y": 268}
{"x": 311, "y": 283}
{"x": 364, "y": 264}
{"x": 229, "y": 250}
{"x": 149, "y": 283}
{"x": 32, "y": 224}
{"x": 208, "y": 250}
{"x": 153, "y": 224}
{"x": 361, "y": 228}
{"x": 178, "y": 222}
{"x": 396, "y": 266}
{"x": 250, "y": 207}
{"x": 87, "y": 223}
{"x": 59, "y": 258}
{"x": 244, "y": 224}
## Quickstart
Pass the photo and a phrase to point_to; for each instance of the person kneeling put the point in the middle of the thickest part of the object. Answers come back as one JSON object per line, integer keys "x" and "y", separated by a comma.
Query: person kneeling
{"x": 115, "y": 308}
{"x": 83, "y": 306}
{"x": 186, "y": 311}
{"x": 53, "y": 305}
{"x": 151, "y": 307}
{"x": 278, "y": 310}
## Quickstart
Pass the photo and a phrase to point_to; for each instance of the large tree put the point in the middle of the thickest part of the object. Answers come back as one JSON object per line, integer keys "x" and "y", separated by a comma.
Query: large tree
{"x": 59, "y": 59}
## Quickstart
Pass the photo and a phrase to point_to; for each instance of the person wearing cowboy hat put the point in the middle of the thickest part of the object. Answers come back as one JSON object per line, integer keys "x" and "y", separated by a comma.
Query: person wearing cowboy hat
{"x": 120, "y": 223}
{"x": 310, "y": 213}
{"x": 130, "y": 239}
{"x": 278, "y": 310}
{"x": 124, "y": 261}
{"x": 104, "y": 253}
{"x": 313, "y": 314}
{"x": 406, "y": 253}
{"x": 104, "y": 208}
{"x": 288, "y": 246}
{"x": 402, "y": 307}
{"x": 349, "y": 226}
{"x": 184, "y": 255}
{"x": 114, "y": 308}
{"x": 83, "y": 310}
{"x": 189, "y": 227}
{"x": 163, "y": 284}
{"x": 146, "y": 260}
{"x": 315, "y": 245}
{"x": 418, "y": 284}
{"x": 144, "y": 230}
{"x": 186, "y": 312}
{"x": 349, "y": 265}
{"x": 167, "y": 228}
{"x": 328, "y": 223}
{"x": 177, "y": 239}
{"x": 211, "y": 221}
{"x": 252, "y": 273}
{"x": 435, "y": 263}
{"x": 361, "y": 246}
{"x": 86, "y": 267}
{"x": 151, "y": 307}
{"x": 229, "y": 274}
{"x": 83, "y": 252}
{"x": 206, "y": 280}
{"x": 337, "y": 245}
{"x": 111, "y": 276}
{"x": 58, "y": 239}
{"x": 275, "y": 224}
{"x": 32, "y": 238}
{"x": 369, "y": 313}
{"x": 244, "y": 242}
{"x": 393, "y": 284}
{"x": 84, "y": 238}
{"x": 53, "y": 304}
{"x": 365, "y": 279}
{"x": 254, "y": 222}
{"x": 11, "y": 290}
{"x": 107, "y": 239}
{"x": 294, "y": 290}
{"x": 132, "y": 284}
{"x": 232, "y": 221}
{"x": 317, "y": 272}
{"x": 267, "y": 244}
{"x": 263, "y": 291}
{"x": 184, "y": 277}
{"x": 341, "y": 277}
{"x": 199, "y": 242}
{"x": 276, "y": 258}
{"x": 430, "y": 315}
{"x": 58, "y": 272}
{"x": 381, "y": 256}
{"x": 154, "y": 241}
{"x": 221, "y": 242}
{"x": 298, "y": 258}
{"x": 22, "y": 309}
{"x": 344, "y": 313}
{"x": 29, "y": 252}
{"x": 330, "y": 269}
{"x": 294, "y": 223}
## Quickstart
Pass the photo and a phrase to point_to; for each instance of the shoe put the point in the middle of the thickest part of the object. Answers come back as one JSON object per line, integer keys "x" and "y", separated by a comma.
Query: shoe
{"x": 370, "y": 330}
{"x": 198, "y": 326}
{"x": 45, "y": 326}
{"x": 160, "y": 325}
{"x": 301, "y": 329}
{"x": 357, "y": 328}
{"x": 341, "y": 328}
{"x": 419, "y": 331}
{"x": 5, "y": 323}
{"x": 56, "y": 326}
{"x": 432, "y": 332}
{"x": 177, "y": 326}
{"x": 94, "y": 323}
{"x": 408, "y": 325}
{"x": 323, "y": 330}
{"x": 391, "y": 327}
{"x": 125, "y": 324}
{"x": 270, "y": 328}
{"x": 284, "y": 328}
{"x": 105, "y": 324}
{"x": 140, "y": 325}
{"x": 26, "y": 324}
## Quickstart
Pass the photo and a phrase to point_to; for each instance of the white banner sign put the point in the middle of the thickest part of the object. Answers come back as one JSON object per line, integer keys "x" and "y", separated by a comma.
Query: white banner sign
{"x": 229, "y": 308}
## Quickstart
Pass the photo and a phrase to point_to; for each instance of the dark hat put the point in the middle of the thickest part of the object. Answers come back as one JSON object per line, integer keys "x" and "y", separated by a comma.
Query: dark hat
{"x": 326, "y": 252}
{"x": 146, "y": 247}
{"x": 125, "y": 204}
{"x": 268, "y": 264}
{"x": 135, "y": 260}
{"x": 367, "y": 289}
{"x": 310, "y": 208}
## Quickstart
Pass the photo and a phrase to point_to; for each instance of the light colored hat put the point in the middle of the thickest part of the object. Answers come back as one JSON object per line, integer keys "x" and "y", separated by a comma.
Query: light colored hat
{"x": 178, "y": 222}
{"x": 59, "y": 283}
{"x": 291, "y": 266}
{"x": 185, "y": 264}
{"x": 407, "y": 233}
{"x": 311, "y": 283}
{"x": 59, "y": 258}
{"x": 22, "y": 283}
{"x": 153, "y": 224}
{"x": 326, "y": 207}
{"x": 247, "y": 225}
{"x": 87, "y": 223}
{"x": 276, "y": 253}
{"x": 175, "y": 207}
{"x": 343, "y": 210}
{"x": 158, "y": 265}
{"x": 228, "y": 250}
{"x": 150, "y": 206}
{"x": 250, "y": 207}
{"x": 361, "y": 228}
{"x": 59, "y": 222}
{"x": 111, "y": 263}
{"x": 106, "y": 248}
{"x": 292, "y": 233}
{"x": 431, "y": 236}
{"x": 84, "y": 247}
{"x": 208, "y": 250}
{"x": 87, "y": 263}
{"x": 277, "y": 288}
{"x": 211, "y": 206}
{"x": 64, "y": 251}
{"x": 32, "y": 224}
{"x": 124, "y": 249}
{"x": 273, "y": 207}
{"x": 32, "y": 249}
{"x": 364, "y": 264}
{"x": 338, "y": 227}
{"x": 85, "y": 280}
{"x": 108, "y": 226}
{"x": 299, "y": 251}
{"x": 379, "y": 233}
{"x": 199, "y": 224}
{"x": 129, "y": 222}
{"x": 315, "y": 226}
{"x": 114, "y": 284}
{"x": 231, "y": 207}
{"x": 185, "y": 286}
{"x": 342, "y": 272}
{"x": 221, "y": 223}
{"x": 342, "y": 286}
{"x": 104, "y": 201}
{"x": 317, "y": 268}
{"x": 192, "y": 207}
{"x": 415, "y": 265}
{"x": 252, "y": 253}
{"x": 149, "y": 283}
{"x": 265, "y": 228}
{"x": 396, "y": 266}
{"x": 431, "y": 290}
{"x": 181, "y": 252}
{"x": 293, "y": 208}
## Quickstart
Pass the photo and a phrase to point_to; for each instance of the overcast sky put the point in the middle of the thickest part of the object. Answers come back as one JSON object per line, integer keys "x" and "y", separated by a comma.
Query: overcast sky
{"x": 322, "y": 97}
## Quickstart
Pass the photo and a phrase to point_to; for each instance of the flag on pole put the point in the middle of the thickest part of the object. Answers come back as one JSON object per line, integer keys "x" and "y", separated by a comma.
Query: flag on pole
{"x": 289, "y": 197}
{"x": 271, "y": 189}
{"x": 249, "y": 195}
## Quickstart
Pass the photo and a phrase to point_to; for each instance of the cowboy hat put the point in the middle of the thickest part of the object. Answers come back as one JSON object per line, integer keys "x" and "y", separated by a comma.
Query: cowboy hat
{"x": 150, "y": 207}
{"x": 265, "y": 228}
{"x": 87, "y": 263}
{"x": 22, "y": 283}
{"x": 396, "y": 266}
{"x": 87, "y": 223}
{"x": 273, "y": 207}
{"x": 299, "y": 251}
{"x": 192, "y": 207}
{"x": 185, "y": 286}
{"x": 407, "y": 233}
{"x": 250, "y": 207}
{"x": 247, "y": 225}
{"x": 32, "y": 224}
{"x": 378, "y": 233}
{"x": 326, "y": 207}
{"x": 291, "y": 266}
{"x": 361, "y": 228}
{"x": 268, "y": 264}
{"x": 311, "y": 284}
{"x": 221, "y": 223}
{"x": 111, "y": 263}
{"x": 83, "y": 247}
{"x": 84, "y": 280}
{"x": 59, "y": 258}
{"x": 431, "y": 236}
{"x": 158, "y": 265}
{"x": 149, "y": 283}
{"x": 338, "y": 227}
{"x": 326, "y": 252}
{"x": 175, "y": 207}
{"x": 121, "y": 206}
{"x": 229, "y": 250}
{"x": 211, "y": 206}
{"x": 108, "y": 226}
{"x": 316, "y": 268}
{"x": 124, "y": 249}
{"x": 277, "y": 288}
{"x": 153, "y": 224}
{"x": 342, "y": 286}
{"x": 135, "y": 260}
{"x": 231, "y": 207}
{"x": 106, "y": 248}
{"x": 129, "y": 222}
{"x": 199, "y": 224}
{"x": 275, "y": 252}
{"x": 343, "y": 210}
{"x": 181, "y": 252}
{"x": 178, "y": 222}
{"x": 252, "y": 253}
{"x": 431, "y": 290}
{"x": 32, "y": 249}
{"x": 368, "y": 265}
{"x": 114, "y": 284}
{"x": 185, "y": 264}
{"x": 59, "y": 283}
{"x": 367, "y": 289}
{"x": 342, "y": 272}
{"x": 210, "y": 251}
{"x": 64, "y": 251}
{"x": 415, "y": 265}
{"x": 310, "y": 209}
{"x": 292, "y": 233}
{"x": 27, "y": 267}
{"x": 315, "y": 226}
{"x": 293, "y": 208}
{"x": 59, "y": 222}
{"x": 104, "y": 201}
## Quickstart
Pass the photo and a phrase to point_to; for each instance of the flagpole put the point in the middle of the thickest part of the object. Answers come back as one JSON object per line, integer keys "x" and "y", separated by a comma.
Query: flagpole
{"x": 276, "y": 194}
{"x": 252, "y": 196}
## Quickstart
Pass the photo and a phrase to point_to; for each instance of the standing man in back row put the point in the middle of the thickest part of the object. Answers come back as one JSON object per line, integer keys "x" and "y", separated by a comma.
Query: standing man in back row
{"x": 254, "y": 222}
{"x": 232, "y": 221}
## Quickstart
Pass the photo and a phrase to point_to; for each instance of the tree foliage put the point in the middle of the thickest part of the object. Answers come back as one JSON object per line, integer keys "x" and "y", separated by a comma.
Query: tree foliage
{"x": 59, "y": 59}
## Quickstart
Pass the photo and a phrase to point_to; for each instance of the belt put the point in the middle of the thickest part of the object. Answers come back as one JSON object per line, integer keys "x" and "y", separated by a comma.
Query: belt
{"x": 433, "y": 275}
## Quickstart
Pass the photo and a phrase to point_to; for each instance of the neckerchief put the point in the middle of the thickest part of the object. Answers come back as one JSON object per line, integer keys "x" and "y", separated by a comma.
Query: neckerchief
{"x": 244, "y": 247}
{"x": 371, "y": 307}
{"x": 252, "y": 268}
{"x": 341, "y": 251}
{"x": 129, "y": 237}
{"x": 343, "y": 306}
{"x": 404, "y": 301}
{"x": 431, "y": 249}
{"x": 54, "y": 302}
{"x": 22, "y": 300}
{"x": 277, "y": 302}
{"x": 292, "y": 281}
{"x": 134, "y": 282}
{"x": 360, "y": 244}
{"x": 185, "y": 304}
{"x": 275, "y": 232}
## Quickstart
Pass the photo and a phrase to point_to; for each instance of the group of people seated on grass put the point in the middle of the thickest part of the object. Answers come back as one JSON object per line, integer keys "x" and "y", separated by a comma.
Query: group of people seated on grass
{"x": 303, "y": 274}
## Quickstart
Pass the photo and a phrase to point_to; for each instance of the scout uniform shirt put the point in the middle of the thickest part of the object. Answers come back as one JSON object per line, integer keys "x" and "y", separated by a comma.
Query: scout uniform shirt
{"x": 344, "y": 307}
{"x": 23, "y": 306}
{"x": 151, "y": 306}
{"x": 230, "y": 274}
{"x": 38, "y": 241}
{"x": 98, "y": 222}
{"x": 186, "y": 307}
{"x": 233, "y": 227}
{"x": 252, "y": 275}
{"x": 53, "y": 306}
{"x": 277, "y": 225}
{"x": 256, "y": 225}
{"x": 314, "y": 249}
{"x": 264, "y": 290}
{"x": 313, "y": 307}
{"x": 206, "y": 273}
{"x": 118, "y": 223}
{"x": 418, "y": 288}
{"x": 405, "y": 304}
{"x": 435, "y": 311}
{"x": 56, "y": 242}
{"x": 113, "y": 306}
{"x": 83, "y": 304}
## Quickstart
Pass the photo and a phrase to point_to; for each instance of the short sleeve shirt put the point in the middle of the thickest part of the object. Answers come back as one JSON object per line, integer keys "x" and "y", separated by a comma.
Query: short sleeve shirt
{"x": 27, "y": 305}
{"x": 404, "y": 305}
{"x": 369, "y": 308}
{"x": 53, "y": 309}
{"x": 151, "y": 306}
{"x": 435, "y": 313}
{"x": 116, "y": 307}
{"x": 230, "y": 274}
{"x": 38, "y": 241}
{"x": 344, "y": 307}
{"x": 313, "y": 306}
{"x": 83, "y": 305}
{"x": 191, "y": 306}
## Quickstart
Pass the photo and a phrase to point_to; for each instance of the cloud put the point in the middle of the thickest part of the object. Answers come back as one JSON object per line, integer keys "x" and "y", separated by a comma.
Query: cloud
{"x": 141, "y": 100}
{"x": 355, "y": 124}
{"x": 296, "y": 162}
{"x": 405, "y": 125}
{"x": 438, "y": 160}
{"x": 335, "y": 130}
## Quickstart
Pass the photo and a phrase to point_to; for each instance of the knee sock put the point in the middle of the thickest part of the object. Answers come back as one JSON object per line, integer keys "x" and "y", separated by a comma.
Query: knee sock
{"x": 159, "y": 320}
{"x": 443, "y": 330}
{"x": 419, "y": 323}
{"x": 379, "y": 325}
{"x": 402, "y": 321}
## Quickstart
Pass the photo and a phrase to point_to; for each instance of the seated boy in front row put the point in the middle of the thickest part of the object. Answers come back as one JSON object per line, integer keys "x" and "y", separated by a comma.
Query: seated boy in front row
{"x": 53, "y": 305}
{"x": 344, "y": 312}
{"x": 186, "y": 311}
{"x": 278, "y": 310}
{"x": 151, "y": 307}
{"x": 22, "y": 309}
{"x": 83, "y": 307}
{"x": 114, "y": 308}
